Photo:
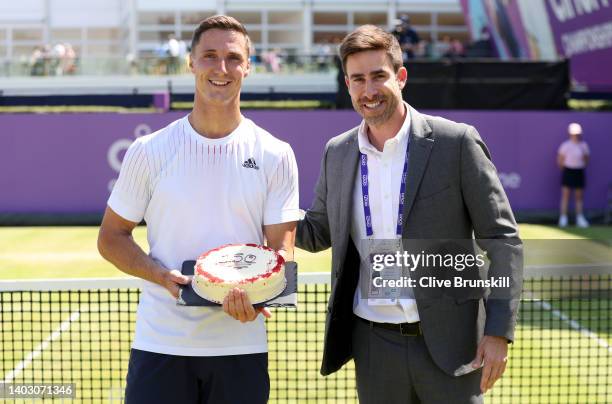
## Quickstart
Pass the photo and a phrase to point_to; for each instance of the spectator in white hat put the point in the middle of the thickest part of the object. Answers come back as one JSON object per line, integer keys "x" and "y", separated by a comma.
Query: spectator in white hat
{"x": 572, "y": 157}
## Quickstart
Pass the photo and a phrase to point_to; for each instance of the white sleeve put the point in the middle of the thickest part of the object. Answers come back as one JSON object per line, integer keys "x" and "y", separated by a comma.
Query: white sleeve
{"x": 282, "y": 202}
{"x": 562, "y": 149}
{"x": 131, "y": 193}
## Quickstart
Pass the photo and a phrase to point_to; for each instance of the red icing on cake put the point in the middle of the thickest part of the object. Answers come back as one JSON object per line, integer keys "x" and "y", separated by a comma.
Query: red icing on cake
{"x": 200, "y": 271}
{"x": 270, "y": 278}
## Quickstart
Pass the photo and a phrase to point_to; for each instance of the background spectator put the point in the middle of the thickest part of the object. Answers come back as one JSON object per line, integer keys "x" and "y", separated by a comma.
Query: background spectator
{"x": 173, "y": 50}
{"x": 407, "y": 37}
{"x": 573, "y": 156}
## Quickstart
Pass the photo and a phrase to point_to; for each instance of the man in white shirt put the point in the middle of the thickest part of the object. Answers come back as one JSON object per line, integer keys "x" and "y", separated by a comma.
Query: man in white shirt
{"x": 399, "y": 178}
{"x": 208, "y": 179}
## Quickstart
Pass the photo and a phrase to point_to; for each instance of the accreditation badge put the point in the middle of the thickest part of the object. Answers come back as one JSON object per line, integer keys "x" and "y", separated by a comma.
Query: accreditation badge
{"x": 384, "y": 267}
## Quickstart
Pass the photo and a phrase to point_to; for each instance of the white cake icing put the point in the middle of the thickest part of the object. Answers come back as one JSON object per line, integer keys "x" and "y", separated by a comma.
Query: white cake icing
{"x": 258, "y": 270}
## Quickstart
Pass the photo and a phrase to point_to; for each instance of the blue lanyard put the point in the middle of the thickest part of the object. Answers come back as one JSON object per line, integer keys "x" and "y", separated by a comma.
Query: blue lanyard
{"x": 366, "y": 194}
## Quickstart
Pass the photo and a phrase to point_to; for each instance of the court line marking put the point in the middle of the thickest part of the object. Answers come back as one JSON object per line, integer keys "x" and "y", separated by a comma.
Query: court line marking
{"x": 64, "y": 326}
{"x": 575, "y": 325}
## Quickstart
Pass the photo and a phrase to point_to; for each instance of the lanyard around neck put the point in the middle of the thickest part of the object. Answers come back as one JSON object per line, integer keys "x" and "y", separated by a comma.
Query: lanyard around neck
{"x": 366, "y": 194}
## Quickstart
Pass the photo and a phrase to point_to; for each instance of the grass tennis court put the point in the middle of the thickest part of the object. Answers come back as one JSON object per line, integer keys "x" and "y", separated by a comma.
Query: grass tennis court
{"x": 563, "y": 352}
{"x": 70, "y": 252}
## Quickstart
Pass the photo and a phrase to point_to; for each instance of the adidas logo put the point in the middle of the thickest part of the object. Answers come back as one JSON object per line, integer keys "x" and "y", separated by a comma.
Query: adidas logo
{"x": 250, "y": 163}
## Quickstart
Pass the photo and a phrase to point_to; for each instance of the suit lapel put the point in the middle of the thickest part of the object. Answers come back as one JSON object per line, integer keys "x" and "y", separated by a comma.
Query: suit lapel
{"x": 421, "y": 143}
{"x": 350, "y": 162}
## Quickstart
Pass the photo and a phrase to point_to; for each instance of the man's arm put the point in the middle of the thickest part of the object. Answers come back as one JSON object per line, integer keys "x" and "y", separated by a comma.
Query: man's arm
{"x": 126, "y": 207}
{"x": 280, "y": 237}
{"x": 496, "y": 232}
{"x": 313, "y": 231}
{"x": 116, "y": 245}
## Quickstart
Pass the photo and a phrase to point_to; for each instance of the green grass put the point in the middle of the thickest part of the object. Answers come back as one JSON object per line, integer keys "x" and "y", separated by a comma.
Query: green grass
{"x": 536, "y": 231}
{"x": 590, "y": 105}
{"x": 547, "y": 358}
{"x": 94, "y": 350}
{"x": 71, "y": 252}
{"x": 550, "y": 361}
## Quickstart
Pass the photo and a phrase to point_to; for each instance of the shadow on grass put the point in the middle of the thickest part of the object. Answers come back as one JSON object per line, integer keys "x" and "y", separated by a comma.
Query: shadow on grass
{"x": 598, "y": 234}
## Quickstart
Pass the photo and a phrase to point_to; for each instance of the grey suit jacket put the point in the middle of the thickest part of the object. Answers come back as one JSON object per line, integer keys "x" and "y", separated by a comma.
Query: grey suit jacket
{"x": 452, "y": 192}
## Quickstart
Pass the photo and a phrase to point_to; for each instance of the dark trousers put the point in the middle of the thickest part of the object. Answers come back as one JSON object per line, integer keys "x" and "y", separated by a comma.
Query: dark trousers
{"x": 391, "y": 368}
{"x": 159, "y": 378}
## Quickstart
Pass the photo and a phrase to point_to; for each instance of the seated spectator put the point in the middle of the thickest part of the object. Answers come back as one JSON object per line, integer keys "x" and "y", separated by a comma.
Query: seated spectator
{"x": 407, "y": 37}
{"x": 457, "y": 48}
{"x": 443, "y": 47}
{"x": 37, "y": 62}
{"x": 482, "y": 47}
{"x": 69, "y": 60}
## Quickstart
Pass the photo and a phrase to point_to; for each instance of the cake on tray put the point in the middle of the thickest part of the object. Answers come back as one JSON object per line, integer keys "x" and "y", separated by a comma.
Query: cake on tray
{"x": 258, "y": 270}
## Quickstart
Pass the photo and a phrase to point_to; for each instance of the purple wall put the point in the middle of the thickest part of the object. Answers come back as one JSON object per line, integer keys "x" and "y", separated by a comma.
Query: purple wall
{"x": 63, "y": 163}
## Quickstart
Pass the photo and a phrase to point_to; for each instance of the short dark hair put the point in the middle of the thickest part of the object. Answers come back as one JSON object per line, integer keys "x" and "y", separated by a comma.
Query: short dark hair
{"x": 371, "y": 37}
{"x": 224, "y": 22}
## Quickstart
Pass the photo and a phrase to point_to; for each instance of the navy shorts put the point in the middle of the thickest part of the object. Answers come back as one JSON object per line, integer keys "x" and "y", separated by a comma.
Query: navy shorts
{"x": 159, "y": 378}
{"x": 573, "y": 178}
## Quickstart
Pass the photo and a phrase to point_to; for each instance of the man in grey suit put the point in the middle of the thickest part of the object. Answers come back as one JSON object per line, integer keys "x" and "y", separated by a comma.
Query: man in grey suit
{"x": 402, "y": 176}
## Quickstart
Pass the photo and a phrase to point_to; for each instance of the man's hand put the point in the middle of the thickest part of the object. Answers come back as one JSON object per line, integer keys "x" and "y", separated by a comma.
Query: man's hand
{"x": 238, "y": 305}
{"x": 172, "y": 279}
{"x": 492, "y": 354}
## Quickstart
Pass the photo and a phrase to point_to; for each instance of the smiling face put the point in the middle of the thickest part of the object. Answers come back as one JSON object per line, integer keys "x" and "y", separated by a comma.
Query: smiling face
{"x": 219, "y": 62}
{"x": 374, "y": 86}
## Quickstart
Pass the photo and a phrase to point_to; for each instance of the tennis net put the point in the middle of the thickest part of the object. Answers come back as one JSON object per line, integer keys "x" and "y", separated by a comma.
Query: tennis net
{"x": 79, "y": 331}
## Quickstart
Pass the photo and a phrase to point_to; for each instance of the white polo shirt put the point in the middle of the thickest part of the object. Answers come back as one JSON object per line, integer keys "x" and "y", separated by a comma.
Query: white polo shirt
{"x": 384, "y": 178}
{"x": 196, "y": 194}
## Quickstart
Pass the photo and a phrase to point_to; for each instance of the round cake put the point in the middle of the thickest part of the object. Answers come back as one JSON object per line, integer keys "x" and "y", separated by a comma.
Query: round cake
{"x": 258, "y": 270}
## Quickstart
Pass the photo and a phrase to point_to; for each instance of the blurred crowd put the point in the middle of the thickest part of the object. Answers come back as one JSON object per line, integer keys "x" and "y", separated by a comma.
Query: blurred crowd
{"x": 171, "y": 55}
{"x": 414, "y": 47}
{"x": 57, "y": 60}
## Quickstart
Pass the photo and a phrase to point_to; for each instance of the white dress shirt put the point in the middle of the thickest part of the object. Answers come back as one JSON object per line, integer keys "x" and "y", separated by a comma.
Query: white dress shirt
{"x": 384, "y": 177}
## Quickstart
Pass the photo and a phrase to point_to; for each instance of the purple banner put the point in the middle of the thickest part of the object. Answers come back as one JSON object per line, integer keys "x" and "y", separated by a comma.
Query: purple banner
{"x": 583, "y": 33}
{"x": 517, "y": 28}
{"x": 580, "y": 30}
{"x": 67, "y": 163}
